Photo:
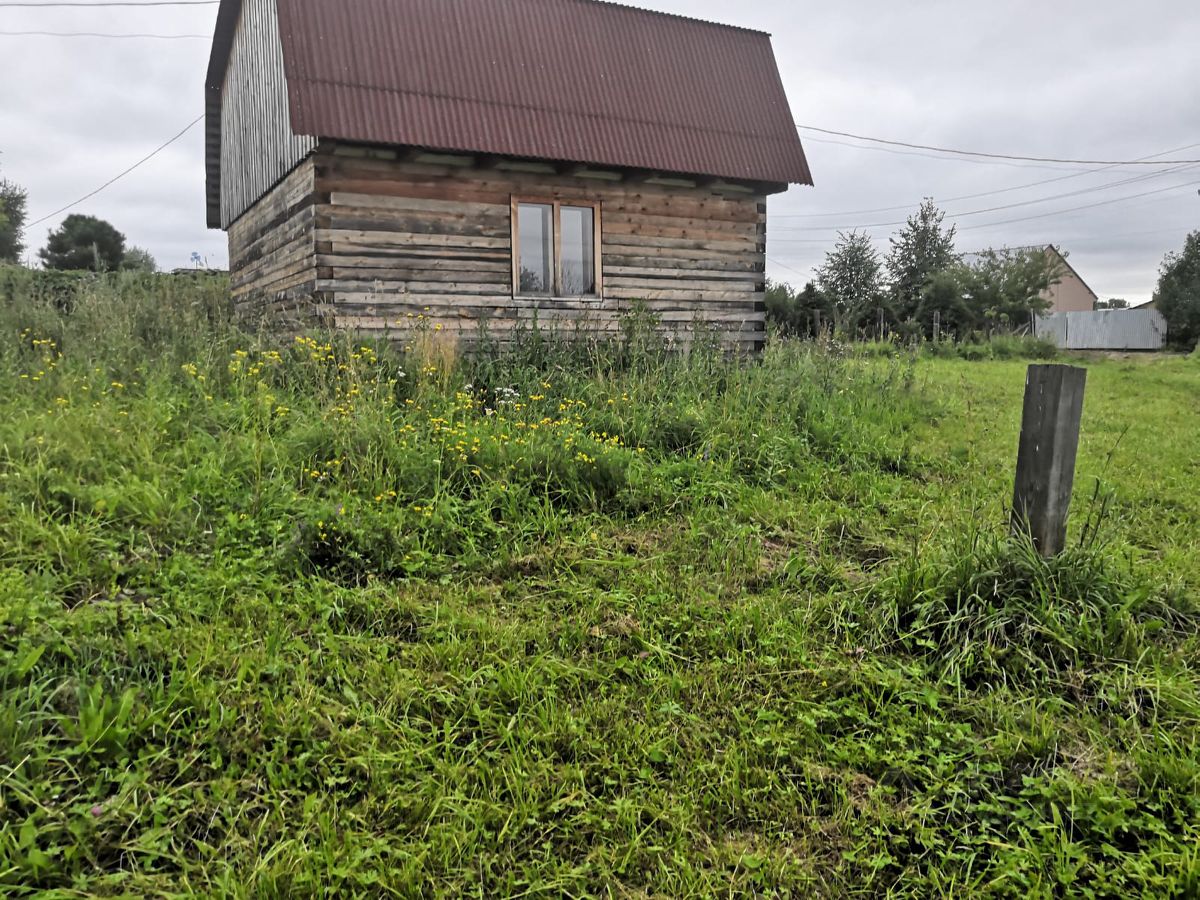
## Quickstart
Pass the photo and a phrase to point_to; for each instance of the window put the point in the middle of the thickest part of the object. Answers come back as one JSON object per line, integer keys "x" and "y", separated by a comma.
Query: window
{"x": 556, "y": 249}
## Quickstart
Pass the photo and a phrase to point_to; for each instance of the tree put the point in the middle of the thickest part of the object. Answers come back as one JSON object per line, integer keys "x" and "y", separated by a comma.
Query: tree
{"x": 1004, "y": 288}
{"x": 1177, "y": 296}
{"x": 13, "y": 200}
{"x": 945, "y": 295}
{"x": 1114, "y": 303}
{"x": 851, "y": 280}
{"x": 920, "y": 250}
{"x": 138, "y": 259}
{"x": 797, "y": 313}
{"x": 84, "y": 242}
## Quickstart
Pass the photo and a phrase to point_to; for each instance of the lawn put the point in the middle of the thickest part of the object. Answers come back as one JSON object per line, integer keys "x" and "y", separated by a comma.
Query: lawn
{"x": 311, "y": 617}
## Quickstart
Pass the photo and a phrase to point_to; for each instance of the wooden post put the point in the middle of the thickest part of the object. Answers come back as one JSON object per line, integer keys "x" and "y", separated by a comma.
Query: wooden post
{"x": 937, "y": 325}
{"x": 881, "y": 323}
{"x": 1046, "y": 455}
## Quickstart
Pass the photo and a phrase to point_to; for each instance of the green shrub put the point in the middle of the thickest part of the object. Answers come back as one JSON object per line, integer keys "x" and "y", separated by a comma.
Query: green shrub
{"x": 997, "y": 347}
{"x": 992, "y": 610}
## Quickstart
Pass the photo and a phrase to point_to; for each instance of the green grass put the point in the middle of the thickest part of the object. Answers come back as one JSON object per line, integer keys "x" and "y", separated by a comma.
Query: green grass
{"x": 312, "y": 618}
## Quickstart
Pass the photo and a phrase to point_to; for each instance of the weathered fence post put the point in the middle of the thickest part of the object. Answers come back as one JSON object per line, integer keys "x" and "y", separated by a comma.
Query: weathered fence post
{"x": 1046, "y": 454}
{"x": 937, "y": 325}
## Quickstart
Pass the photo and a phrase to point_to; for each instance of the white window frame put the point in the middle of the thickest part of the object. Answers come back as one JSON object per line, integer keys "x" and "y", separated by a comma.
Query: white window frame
{"x": 556, "y": 247}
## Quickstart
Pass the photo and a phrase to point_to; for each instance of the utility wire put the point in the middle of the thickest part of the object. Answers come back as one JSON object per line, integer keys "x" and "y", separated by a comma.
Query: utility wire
{"x": 1006, "y": 156}
{"x": 1059, "y": 212}
{"x": 1005, "y": 190}
{"x": 1056, "y": 212}
{"x": 1092, "y": 240}
{"x": 776, "y": 262}
{"x": 114, "y": 180}
{"x": 976, "y": 212}
{"x": 942, "y": 158}
{"x": 1181, "y": 228}
{"x": 97, "y": 34}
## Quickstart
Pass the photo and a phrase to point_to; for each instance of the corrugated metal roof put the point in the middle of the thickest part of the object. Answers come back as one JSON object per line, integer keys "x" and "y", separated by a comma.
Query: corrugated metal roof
{"x": 577, "y": 80}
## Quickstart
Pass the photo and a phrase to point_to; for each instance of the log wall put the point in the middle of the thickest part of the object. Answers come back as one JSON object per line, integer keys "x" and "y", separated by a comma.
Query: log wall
{"x": 272, "y": 253}
{"x": 398, "y": 240}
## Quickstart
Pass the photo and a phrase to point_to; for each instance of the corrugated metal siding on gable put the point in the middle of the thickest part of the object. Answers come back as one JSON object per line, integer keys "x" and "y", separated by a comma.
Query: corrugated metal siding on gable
{"x": 1111, "y": 329}
{"x": 257, "y": 144}
{"x": 575, "y": 80}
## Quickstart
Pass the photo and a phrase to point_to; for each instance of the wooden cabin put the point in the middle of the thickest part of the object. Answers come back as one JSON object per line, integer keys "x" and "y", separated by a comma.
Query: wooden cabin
{"x": 468, "y": 163}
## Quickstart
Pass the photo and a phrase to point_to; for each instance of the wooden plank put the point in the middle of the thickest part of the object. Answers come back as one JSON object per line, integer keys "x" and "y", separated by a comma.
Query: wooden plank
{"x": 433, "y": 253}
{"x": 1046, "y": 454}
{"x": 688, "y": 284}
{"x": 673, "y": 272}
{"x": 707, "y": 255}
{"x": 425, "y": 307}
{"x": 426, "y": 264}
{"x": 682, "y": 294}
{"x": 404, "y": 279}
{"x": 418, "y": 287}
{"x": 414, "y": 204}
{"x": 680, "y": 227}
{"x": 596, "y": 322}
{"x": 410, "y": 239}
{"x": 645, "y": 241}
{"x": 425, "y": 223}
{"x": 714, "y": 267}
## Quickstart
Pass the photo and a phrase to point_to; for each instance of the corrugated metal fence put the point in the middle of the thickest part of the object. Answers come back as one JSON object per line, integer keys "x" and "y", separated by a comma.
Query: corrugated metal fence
{"x": 1105, "y": 329}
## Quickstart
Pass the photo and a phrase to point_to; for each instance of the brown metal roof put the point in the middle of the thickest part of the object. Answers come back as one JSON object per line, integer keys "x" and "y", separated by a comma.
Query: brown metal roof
{"x": 577, "y": 80}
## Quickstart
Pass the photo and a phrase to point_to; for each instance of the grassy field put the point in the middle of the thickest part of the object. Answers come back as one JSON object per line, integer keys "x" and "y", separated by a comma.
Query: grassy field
{"x": 310, "y": 618}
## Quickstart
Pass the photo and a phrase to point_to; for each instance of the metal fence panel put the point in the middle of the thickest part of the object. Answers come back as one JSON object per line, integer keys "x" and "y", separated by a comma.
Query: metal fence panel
{"x": 1105, "y": 329}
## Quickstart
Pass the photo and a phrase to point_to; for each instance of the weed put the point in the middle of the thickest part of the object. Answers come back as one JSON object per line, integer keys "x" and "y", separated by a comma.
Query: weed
{"x": 571, "y": 617}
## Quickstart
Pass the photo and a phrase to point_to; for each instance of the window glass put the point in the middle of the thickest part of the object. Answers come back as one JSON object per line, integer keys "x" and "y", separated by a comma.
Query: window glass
{"x": 535, "y": 233}
{"x": 578, "y": 250}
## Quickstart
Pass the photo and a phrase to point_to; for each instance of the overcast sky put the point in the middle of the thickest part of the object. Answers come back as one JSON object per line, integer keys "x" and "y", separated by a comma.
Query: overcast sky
{"x": 1090, "y": 79}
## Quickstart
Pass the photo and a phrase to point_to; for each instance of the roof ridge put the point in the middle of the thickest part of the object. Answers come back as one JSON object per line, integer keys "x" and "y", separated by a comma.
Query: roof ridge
{"x": 668, "y": 15}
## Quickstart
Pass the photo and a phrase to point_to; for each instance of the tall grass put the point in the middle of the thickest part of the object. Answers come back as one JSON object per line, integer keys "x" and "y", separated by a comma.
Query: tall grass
{"x": 323, "y": 617}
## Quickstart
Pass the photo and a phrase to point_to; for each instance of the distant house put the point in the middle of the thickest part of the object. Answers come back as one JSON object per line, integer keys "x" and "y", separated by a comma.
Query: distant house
{"x": 375, "y": 162}
{"x": 1070, "y": 293}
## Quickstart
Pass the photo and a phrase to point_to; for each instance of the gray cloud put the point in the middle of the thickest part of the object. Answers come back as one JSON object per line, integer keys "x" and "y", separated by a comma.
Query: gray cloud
{"x": 1069, "y": 78}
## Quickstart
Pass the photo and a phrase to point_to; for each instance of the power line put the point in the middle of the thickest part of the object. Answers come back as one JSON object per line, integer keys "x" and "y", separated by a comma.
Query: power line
{"x": 114, "y": 180}
{"x": 98, "y": 34}
{"x": 1006, "y": 156}
{"x": 776, "y": 262}
{"x": 1073, "y": 242}
{"x": 1059, "y": 212}
{"x": 1056, "y": 212}
{"x": 1005, "y": 190}
{"x": 959, "y": 159}
{"x": 976, "y": 212}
